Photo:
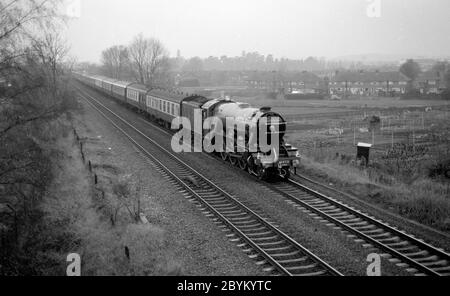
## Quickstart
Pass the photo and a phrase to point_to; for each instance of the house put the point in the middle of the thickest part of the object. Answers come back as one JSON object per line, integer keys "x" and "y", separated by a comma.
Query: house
{"x": 431, "y": 82}
{"x": 286, "y": 82}
{"x": 364, "y": 83}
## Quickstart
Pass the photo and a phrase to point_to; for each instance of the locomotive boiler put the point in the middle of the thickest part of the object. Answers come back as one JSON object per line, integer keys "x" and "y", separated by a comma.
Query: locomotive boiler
{"x": 256, "y": 137}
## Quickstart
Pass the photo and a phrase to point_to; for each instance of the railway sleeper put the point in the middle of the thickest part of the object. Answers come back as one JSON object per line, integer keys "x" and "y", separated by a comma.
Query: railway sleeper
{"x": 234, "y": 214}
{"x": 283, "y": 256}
{"x": 399, "y": 244}
{"x": 389, "y": 239}
{"x": 406, "y": 249}
{"x": 311, "y": 274}
{"x": 415, "y": 254}
{"x": 262, "y": 228}
{"x": 435, "y": 263}
{"x": 442, "y": 269}
{"x": 213, "y": 196}
{"x": 358, "y": 225}
{"x": 342, "y": 215}
{"x": 429, "y": 259}
{"x": 382, "y": 235}
{"x": 274, "y": 238}
{"x": 325, "y": 208}
{"x": 271, "y": 244}
{"x": 292, "y": 261}
{"x": 333, "y": 211}
{"x": 245, "y": 219}
{"x": 220, "y": 204}
{"x": 224, "y": 206}
{"x": 229, "y": 209}
{"x": 370, "y": 229}
{"x": 259, "y": 234}
{"x": 301, "y": 268}
{"x": 247, "y": 225}
{"x": 269, "y": 250}
{"x": 316, "y": 202}
{"x": 349, "y": 219}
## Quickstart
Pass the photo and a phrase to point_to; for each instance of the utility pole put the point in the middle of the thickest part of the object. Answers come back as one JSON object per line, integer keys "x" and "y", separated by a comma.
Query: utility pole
{"x": 392, "y": 139}
{"x": 423, "y": 121}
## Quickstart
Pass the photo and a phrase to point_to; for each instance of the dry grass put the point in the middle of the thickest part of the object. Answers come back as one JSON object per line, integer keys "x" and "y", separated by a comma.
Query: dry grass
{"x": 71, "y": 209}
{"x": 424, "y": 200}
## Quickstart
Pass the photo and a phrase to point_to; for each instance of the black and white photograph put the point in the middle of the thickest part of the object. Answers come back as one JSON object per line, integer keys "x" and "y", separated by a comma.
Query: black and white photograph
{"x": 224, "y": 145}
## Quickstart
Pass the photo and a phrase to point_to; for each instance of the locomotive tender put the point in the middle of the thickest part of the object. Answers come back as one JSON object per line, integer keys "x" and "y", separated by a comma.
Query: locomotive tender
{"x": 164, "y": 106}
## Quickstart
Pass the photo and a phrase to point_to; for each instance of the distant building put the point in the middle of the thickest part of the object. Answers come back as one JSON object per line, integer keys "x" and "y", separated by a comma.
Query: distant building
{"x": 431, "y": 82}
{"x": 368, "y": 83}
{"x": 286, "y": 82}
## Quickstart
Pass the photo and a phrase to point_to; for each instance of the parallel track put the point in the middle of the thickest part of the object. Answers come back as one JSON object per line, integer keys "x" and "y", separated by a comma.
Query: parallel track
{"x": 274, "y": 250}
{"x": 407, "y": 251}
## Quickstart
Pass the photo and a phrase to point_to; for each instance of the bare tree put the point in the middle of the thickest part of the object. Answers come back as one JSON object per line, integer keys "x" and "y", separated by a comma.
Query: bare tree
{"x": 148, "y": 59}
{"x": 51, "y": 50}
{"x": 20, "y": 19}
{"x": 31, "y": 57}
{"x": 30, "y": 50}
{"x": 115, "y": 60}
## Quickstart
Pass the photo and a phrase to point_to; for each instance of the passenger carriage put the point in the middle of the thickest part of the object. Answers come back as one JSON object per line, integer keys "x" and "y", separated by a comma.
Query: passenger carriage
{"x": 119, "y": 89}
{"x": 135, "y": 95}
{"x": 164, "y": 106}
{"x": 107, "y": 84}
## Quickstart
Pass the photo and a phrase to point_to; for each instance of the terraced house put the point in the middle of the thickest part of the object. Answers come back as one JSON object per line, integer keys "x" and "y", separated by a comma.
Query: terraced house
{"x": 431, "y": 82}
{"x": 368, "y": 83}
{"x": 287, "y": 82}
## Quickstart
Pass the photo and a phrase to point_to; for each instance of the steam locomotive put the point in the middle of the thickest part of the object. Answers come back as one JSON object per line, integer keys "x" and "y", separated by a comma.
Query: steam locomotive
{"x": 249, "y": 124}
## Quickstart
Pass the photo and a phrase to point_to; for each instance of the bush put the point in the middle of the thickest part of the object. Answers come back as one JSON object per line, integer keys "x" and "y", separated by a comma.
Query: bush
{"x": 442, "y": 168}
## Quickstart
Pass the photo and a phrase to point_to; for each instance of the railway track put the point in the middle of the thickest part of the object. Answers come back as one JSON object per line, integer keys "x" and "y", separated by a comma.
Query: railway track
{"x": 261, "y": 240}
{"x": 405, "y": 250}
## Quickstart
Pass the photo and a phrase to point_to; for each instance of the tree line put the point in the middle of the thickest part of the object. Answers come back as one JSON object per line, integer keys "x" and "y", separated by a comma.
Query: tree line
{"x": 145, "y": 60}
{"x": 34, "y": 94}
{"x": 412, "y": 70}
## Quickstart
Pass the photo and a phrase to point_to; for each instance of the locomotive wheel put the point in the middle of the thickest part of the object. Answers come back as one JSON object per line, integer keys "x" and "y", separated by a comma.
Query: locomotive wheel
{"x": 224, "y": 156}
{"x": 287, "y": 175}
{"x": 242, "y": 163}
{"x": 261, "y": 173}
{"x": 233, "y": 160}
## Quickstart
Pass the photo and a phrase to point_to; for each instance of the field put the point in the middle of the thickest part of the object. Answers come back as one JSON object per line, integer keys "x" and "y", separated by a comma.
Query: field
{"x": 408, "y": 161}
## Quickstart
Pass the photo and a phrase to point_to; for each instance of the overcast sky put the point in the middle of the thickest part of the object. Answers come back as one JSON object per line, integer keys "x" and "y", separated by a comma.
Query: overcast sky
{"x": 285, "y": 28}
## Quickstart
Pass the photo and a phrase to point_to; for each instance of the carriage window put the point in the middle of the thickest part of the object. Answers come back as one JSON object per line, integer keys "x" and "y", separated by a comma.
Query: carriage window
{"x": 171, "y": 109}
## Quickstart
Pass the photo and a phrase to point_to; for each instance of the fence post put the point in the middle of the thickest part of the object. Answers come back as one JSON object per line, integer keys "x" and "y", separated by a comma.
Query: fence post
{"x": 392, "y": 138}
